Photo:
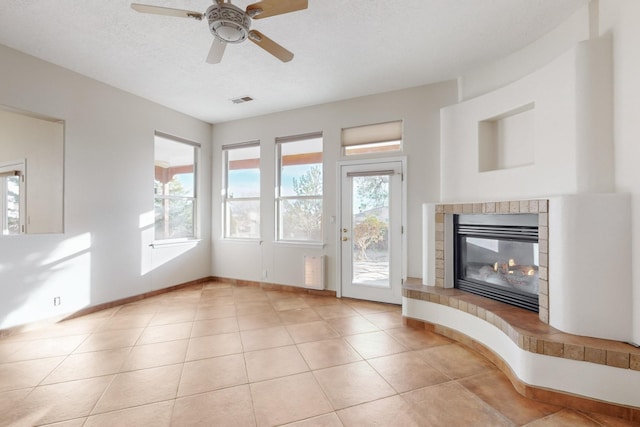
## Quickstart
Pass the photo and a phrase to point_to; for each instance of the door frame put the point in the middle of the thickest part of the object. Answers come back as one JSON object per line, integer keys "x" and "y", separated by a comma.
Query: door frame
{"x": 403, "y": 216}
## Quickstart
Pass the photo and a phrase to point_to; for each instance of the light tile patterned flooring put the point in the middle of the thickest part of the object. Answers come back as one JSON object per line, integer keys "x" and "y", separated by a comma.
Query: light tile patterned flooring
{"x": 216, "y": 354}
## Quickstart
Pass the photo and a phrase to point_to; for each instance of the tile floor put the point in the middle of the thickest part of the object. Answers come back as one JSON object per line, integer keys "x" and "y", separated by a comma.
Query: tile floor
{"x": 216, "y": 354}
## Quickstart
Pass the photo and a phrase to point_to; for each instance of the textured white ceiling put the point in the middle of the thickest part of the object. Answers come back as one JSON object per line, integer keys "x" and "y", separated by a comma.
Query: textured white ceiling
{"x": 343, "y": 49}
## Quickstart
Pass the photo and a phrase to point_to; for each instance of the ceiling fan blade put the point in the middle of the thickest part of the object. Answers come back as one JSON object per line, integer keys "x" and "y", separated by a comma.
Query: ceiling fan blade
{"x": 216, "y": 51}
{"x": 267, "y": 8}
{"x": 157, "y": 10}
{"x": 270, "y": 46}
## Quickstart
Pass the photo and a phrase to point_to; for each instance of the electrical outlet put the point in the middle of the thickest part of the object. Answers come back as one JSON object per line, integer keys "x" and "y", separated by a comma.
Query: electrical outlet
{"x": 56, "y": 301}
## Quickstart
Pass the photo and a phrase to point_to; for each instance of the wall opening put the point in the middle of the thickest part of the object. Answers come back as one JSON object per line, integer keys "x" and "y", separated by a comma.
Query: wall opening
{"x": 507, "y": 141}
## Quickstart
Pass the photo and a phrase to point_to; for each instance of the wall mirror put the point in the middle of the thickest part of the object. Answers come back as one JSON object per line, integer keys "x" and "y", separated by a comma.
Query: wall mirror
{"x": 31, "y": 173}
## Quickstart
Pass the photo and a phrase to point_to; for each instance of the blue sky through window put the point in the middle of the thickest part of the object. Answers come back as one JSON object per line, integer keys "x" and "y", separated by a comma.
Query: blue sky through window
{"x": 244, "y": 183}
{"x": 186, "y": 180}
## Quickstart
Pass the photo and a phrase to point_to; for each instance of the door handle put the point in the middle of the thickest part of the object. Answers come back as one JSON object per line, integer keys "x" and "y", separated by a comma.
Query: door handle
{"x": 344, "y": 239}
{"x": 344, "y": 230}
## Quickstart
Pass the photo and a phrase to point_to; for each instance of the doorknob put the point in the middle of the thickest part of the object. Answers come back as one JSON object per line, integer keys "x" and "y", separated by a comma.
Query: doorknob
{"x": 344, "y": 230}
{"x": 344, "y": 239}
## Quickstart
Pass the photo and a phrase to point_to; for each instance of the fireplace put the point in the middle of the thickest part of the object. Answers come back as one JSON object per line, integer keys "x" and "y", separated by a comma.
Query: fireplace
{"x": 497, "y": 256}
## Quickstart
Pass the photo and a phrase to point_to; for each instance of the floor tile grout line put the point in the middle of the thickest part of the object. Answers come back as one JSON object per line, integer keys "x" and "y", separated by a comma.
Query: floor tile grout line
{"x": 124, "y": 409}
{"x": 364, "y": 315}
{"x": 588, "y": 416}
{"x": 488, "y": 404}
{"x": 119, "y": 372}
{"x": 460, "y": 382}
{"x": 101, "y": 395}
{"x": 57, "y": 366}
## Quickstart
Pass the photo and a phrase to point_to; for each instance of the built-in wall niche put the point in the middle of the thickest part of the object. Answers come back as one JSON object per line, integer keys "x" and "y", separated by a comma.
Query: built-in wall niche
{"x": 31, "y": 171}
{"x": 507, "y": 141}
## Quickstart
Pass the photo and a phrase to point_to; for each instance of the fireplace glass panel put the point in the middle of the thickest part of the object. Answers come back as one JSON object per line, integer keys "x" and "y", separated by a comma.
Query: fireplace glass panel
{"x": 508, "y": 264}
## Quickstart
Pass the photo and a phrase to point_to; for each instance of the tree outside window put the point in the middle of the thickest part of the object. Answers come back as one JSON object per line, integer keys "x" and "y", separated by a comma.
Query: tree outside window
{"x": 299, "y": 188}
{"x": 371, "y": 225}
{"x": 10, "y": 203}
{"x": 175, "y": 188}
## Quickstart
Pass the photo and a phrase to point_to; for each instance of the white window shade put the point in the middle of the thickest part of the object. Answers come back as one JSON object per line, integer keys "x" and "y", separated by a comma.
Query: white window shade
{"x": 9, "y": 173}
{"x": 372, "y": 134}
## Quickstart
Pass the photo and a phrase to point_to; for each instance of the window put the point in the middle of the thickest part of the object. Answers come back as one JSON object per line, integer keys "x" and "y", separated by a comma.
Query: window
{"x": 371, "y": 139}
{"x": 241, "y": 192}
{"x": 299, "y": 188}
{"x": 12, "y": 198}
{"x": 175, "y": 187}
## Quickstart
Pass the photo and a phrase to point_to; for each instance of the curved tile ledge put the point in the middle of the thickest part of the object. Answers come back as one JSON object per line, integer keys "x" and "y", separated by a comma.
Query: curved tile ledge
{"x": 528, "y": 350}
{"x": 528, "y": 332}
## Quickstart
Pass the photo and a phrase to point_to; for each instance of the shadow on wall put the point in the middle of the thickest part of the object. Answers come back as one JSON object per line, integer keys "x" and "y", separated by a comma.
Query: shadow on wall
{"x": 31, "y": 280}
{"x": 43, "y": 277}
{"x": 164, "y": 262}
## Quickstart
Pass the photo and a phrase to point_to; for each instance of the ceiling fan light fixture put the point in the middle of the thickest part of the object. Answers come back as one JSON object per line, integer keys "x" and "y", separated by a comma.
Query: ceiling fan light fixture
{"x": 228, "y": 22}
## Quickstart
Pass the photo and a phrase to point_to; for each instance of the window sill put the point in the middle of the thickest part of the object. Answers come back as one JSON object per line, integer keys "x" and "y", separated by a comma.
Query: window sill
{"x": 175, "y": 242}
{"x": 240, "y": 240}
{"x": 293, "y": 243}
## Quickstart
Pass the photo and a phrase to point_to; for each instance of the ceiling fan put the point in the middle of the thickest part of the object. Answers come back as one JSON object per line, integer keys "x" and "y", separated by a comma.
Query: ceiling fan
{"x": 230, "y": 24}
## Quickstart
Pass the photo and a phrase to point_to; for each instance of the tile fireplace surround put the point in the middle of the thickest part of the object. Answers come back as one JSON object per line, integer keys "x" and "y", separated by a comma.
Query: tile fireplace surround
{"x": 539, "y": 207}
{"x": 528, "y": 349}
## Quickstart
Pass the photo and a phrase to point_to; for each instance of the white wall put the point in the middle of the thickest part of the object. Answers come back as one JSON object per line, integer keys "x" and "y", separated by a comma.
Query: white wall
{"x": 418, "y": 107}
{"x": 589, "y": 265}
{"x": 104, "y": 253}
{"x": 621, "y": 20}
{"x": 571, "y": 128}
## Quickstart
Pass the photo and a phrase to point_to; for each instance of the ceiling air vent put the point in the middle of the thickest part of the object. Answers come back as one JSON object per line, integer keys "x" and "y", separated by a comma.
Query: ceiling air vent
{"x": 242, "y": 99}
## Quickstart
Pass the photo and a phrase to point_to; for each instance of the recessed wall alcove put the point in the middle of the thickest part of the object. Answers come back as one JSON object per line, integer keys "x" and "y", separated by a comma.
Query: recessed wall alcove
{"x": 507, "y": 140}
{"x": 547, "y": 134}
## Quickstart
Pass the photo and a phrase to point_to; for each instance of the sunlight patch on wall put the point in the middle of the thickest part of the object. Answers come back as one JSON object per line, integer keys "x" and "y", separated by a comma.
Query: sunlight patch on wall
{"x": 154, "y": 254}
{"x": 68, "y": 249}
{"x": 64, "y": 283}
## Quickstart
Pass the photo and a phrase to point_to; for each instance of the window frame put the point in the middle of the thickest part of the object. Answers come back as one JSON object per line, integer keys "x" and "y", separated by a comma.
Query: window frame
{"x": 195, "y": 234}
{"x": 279, "y": 198}
{"x": 226, "y": 200}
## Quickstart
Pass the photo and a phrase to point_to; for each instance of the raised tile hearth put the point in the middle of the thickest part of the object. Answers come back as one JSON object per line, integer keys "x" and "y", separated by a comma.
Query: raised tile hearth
{"x": 527, "y": 331}
{"x": 532, "y": 336}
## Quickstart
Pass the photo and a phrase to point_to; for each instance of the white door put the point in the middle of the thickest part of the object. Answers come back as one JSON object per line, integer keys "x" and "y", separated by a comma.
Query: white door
{"x": 371, "y": 231}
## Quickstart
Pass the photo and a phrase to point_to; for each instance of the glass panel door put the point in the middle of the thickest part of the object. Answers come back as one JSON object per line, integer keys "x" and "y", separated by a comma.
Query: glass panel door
{"x": 370, "y": 222}
{"x": 371, "y": 231}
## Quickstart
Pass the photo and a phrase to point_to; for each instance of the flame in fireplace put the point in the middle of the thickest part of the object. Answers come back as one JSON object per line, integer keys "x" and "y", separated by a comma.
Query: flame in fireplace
{"x": 512, "y": 267}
